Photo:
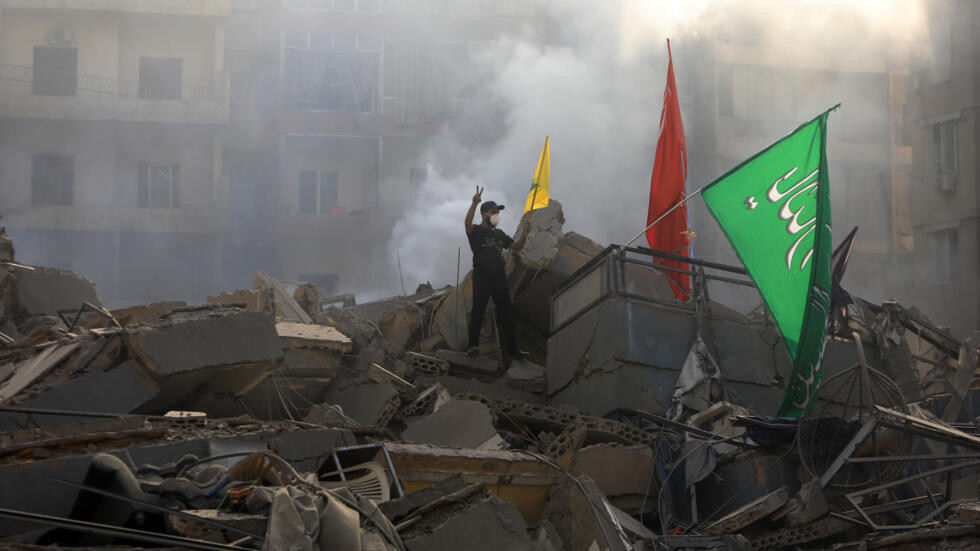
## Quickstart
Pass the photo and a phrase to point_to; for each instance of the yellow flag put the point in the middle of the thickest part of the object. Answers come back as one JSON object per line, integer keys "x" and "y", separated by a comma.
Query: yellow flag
{"x": 537, "y": 196}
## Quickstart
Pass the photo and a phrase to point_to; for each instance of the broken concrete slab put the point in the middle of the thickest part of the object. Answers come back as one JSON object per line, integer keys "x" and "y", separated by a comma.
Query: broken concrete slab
{"x": 618, "y": 470}
{"x": 143, "y": 313}
{"x": 286, "y": 306}
{"x": 119, "y": 390}
{"x": 404, "y": 327}
{"x": 32, "y": 369}
{"x": 360, "y": 330}
{"x": 398, "y": 509}
{"x": 543, "y": 236}
{"x": 510, "y": 475}
{"x": 750, "y": 512}
{"x": 368, "y": 402}
{"x": 210, "y": 337}
{"x": 303, "y": 335}
{"x": 329, "y": 415}
{"x": 489, "y": 525}
{"x": 50, "y": 290}
{"x": 457, "y": 423}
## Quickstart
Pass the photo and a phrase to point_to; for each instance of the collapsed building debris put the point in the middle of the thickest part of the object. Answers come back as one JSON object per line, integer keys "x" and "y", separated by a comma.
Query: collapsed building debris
{"x": 271, "y": 420}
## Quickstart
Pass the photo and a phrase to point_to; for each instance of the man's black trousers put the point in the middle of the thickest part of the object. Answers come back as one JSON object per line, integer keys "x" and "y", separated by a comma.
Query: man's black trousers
{"x": 486, "y": 287}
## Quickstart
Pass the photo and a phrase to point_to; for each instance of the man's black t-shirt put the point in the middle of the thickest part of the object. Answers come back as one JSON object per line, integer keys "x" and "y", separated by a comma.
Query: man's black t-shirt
{"x": 487, "y": 244}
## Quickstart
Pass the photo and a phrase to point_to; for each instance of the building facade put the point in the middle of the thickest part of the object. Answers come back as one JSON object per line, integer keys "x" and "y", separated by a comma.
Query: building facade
{"x": 944, "y": 107}
{"x": 112, "y": 116}
{"x": 170, "y": 150}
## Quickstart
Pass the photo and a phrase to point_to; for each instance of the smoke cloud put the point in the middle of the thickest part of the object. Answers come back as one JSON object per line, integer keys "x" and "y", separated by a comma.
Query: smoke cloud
{"x": 596, "y": 88}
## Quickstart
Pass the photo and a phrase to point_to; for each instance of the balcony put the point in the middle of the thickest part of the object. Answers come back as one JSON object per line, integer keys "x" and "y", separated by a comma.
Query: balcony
{"x": 113, "y": 219}
{"x": 39, "y": 94}
{"x": 212, "y": 8}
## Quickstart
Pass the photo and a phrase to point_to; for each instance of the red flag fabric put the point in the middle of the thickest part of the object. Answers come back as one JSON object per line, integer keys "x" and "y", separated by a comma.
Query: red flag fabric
{"x": 667, "y": 189}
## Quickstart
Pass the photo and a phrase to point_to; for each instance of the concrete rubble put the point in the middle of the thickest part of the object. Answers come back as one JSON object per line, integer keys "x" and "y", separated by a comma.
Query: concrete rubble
{"x": 274, "y": 418}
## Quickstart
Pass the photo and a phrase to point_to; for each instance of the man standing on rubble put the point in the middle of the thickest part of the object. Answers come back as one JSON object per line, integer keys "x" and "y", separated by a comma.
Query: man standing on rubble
{"x": 489, "y": 280}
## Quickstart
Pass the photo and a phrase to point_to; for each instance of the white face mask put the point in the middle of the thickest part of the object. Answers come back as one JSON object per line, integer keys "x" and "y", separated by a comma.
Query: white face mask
{"x": 494, "y": 219}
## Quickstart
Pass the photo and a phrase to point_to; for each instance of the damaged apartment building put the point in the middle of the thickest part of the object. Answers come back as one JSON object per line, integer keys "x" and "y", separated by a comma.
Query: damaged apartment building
{"x": 235, "y": 135}
{"x": 234, "y": 401}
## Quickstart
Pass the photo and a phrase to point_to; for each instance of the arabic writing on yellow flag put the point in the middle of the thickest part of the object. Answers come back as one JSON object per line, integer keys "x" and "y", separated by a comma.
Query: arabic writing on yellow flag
{"x": 537, "y": 196}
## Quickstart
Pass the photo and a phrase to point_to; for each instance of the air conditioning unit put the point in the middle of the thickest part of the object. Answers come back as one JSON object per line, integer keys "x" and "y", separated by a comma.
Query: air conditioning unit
{"x": 62, "y": 35}
{"x": 946, "y": 182}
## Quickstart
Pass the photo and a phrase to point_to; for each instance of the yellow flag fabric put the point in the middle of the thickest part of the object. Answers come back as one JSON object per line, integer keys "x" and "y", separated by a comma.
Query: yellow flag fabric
{"x": 537, "y": 196}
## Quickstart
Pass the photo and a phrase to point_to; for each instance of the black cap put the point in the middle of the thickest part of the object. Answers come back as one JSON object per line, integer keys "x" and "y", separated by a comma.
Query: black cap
{"x": 490, "y": 205}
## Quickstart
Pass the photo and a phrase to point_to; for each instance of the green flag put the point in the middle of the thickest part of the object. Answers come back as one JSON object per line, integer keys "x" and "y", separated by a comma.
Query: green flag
{"x": 775, "y": 209}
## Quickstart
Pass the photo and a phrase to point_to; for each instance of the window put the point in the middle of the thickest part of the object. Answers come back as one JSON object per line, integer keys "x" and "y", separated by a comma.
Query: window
{"x": 944, "y": 147}
{"x": 55, "y": 71}
{"x": 415, "y": 178}
{"x": 318, "y": 192}
{"x": 160, "y": 77}
{"x": 157, "y": 186}
{"x": 52, "y": 180}
{"x": 945, "y": 247}
{"x": 339, "y": 81}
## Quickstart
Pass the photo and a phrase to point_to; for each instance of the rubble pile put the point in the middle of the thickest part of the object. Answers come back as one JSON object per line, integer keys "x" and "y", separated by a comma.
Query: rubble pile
{"x": 272, "y": 418}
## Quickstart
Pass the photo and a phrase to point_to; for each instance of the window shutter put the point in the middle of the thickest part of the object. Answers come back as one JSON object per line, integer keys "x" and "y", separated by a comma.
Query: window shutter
{"x": 143, "y": 185}
{"x": 175, "y": 186}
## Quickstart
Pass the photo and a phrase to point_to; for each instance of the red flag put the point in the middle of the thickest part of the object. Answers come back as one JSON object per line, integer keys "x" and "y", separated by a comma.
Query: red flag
{"x": 667, "y": 189}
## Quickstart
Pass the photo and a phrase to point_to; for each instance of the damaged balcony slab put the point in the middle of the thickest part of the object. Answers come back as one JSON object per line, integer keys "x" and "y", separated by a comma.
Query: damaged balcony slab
{"x": 50, "y": 290}
{"x": 623, "y": 353}
{"x": 456, "y": 423}
{"x": 203, "y": 355}
{"x": 515, "y": 477}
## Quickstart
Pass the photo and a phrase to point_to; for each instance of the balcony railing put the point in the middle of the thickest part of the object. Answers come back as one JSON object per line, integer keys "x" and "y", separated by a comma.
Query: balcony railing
{"x": 62, "y": 83}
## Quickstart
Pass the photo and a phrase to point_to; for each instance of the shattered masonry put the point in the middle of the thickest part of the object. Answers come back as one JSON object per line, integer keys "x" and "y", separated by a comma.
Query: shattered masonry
{"x": 268, "y": 418}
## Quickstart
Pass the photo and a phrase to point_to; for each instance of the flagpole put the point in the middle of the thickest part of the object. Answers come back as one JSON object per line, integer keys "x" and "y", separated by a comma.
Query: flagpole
{"x": 664, "y": 215}
{"x": 537, "y": 184}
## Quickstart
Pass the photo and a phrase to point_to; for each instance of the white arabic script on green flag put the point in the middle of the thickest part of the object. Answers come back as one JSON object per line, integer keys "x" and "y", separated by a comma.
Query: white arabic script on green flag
{"x": 775, "y": 209}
